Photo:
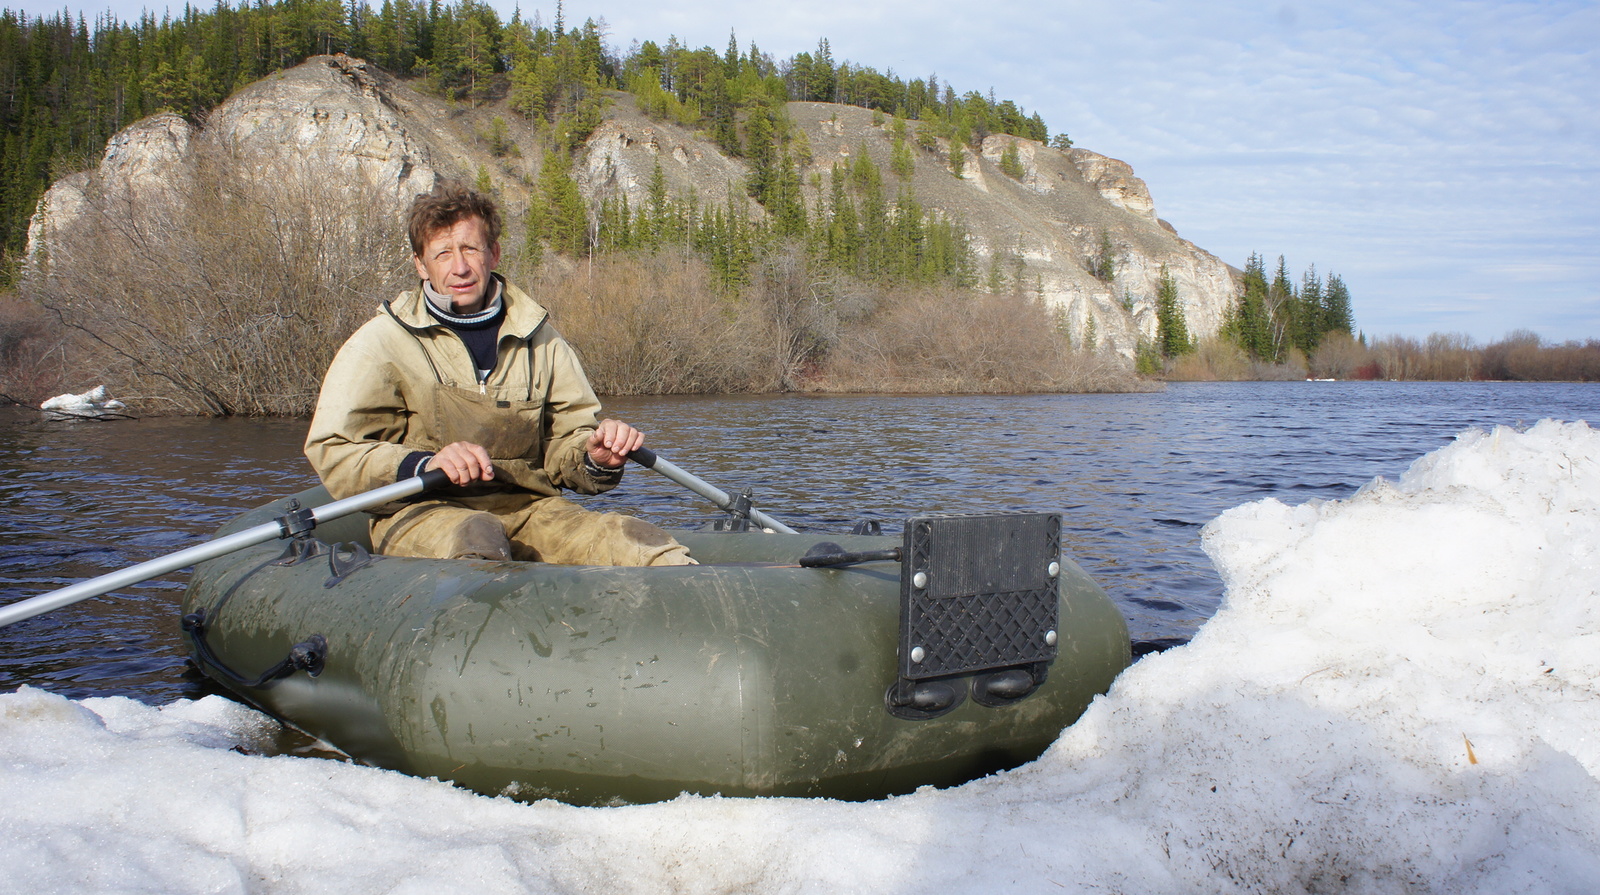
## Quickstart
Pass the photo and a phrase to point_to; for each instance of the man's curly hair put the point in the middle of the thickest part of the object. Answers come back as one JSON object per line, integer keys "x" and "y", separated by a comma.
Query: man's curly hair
{"x": 448, "y": 204}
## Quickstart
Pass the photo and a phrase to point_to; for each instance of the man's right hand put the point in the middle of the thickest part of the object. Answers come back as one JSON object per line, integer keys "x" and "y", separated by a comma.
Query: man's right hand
{"x": 464, "y": 462}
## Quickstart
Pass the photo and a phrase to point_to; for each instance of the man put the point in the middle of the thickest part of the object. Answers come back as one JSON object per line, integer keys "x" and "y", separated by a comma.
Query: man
{"x": 465, "y": 374}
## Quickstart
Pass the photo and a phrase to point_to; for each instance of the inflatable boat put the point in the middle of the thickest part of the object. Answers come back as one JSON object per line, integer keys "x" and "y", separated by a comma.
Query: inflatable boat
{"x": 852, "y": 666}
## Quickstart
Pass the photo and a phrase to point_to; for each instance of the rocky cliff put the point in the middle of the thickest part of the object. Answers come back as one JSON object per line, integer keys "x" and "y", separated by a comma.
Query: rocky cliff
{"x": 363, "y": 134}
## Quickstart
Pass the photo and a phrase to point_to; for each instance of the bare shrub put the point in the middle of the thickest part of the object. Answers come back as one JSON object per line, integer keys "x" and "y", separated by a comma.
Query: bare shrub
{"x": 950, "y": 341}
{"x": 1524, "y": 355}
{"x": 33, "y": 353}
{"x": 230, "y": 292}
{"x": 1451, "y": 356}
{"x": 1285, "y": 372}
{"x": 1574, "y": 361}
{"x": 808, "y": 307}
{"x": 1339, "y": 357}
{"x": 655, "y": 325}
{"x": 1517, "y": 356}
{"x": 1398, "y": 357}
{"x": 1212, "y": 360}
{"x": 1521, "y": 355}
{"x": 1090, "y": 372}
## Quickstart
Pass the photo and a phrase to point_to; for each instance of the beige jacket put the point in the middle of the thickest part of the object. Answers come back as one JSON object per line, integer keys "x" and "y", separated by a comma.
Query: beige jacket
{"x": 404, "y": 382}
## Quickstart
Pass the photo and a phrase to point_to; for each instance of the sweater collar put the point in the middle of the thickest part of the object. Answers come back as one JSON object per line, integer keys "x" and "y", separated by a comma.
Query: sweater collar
{"x": 443, "y": 309}
{"x": 523, "y": 315}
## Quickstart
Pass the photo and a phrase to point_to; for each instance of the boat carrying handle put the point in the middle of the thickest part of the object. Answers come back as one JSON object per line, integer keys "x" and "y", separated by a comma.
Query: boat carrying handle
{"x": 827, "y": 554}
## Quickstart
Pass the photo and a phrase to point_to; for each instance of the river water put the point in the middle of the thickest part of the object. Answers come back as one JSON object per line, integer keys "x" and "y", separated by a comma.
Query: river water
{"x": 1135, "y": 477}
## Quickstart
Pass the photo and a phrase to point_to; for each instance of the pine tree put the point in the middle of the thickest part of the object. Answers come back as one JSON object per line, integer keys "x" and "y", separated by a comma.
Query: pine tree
{"x": 875, "y": 230}
{"x": 901, "y": 162}
{"x": 1309, "y": 313}
{"x": 1011, "y": 162}
{"x": 1337, "y": 302}
{"x": 786, "y": 202}
{"x": 478, "y": 34}
{"x": 562, "y": 220}
{"x": 1249, "y": 323}
{"x": 1281, "y": 310}
{"x": 843, "y": 235}
{"x": 761, "y": 149}
{"x": 823, "y": 78}
{"x": 1172, "y": 331}
{"x": 444, "y": 67}
{"x": 1103, "y": 263}
{"x": 909, "y": 239}
{"x": 720, "y": 111}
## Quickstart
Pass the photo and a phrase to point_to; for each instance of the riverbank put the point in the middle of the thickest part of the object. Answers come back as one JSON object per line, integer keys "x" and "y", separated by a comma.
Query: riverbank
{"x": 643, "y": 324}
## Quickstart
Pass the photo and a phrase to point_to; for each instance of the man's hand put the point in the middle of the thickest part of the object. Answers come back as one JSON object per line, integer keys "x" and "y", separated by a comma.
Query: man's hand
{"x": 611, "y": 443}
{"x": 464, "y": 462}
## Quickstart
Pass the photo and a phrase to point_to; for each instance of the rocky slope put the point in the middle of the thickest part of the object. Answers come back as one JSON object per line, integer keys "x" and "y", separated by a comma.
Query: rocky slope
{"x": 352, "y": 125}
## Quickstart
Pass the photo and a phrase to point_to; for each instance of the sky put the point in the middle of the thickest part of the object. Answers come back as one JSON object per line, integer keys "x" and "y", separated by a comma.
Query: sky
{"x": 1441, "y": 156}
{"x": 1398, "y": 694}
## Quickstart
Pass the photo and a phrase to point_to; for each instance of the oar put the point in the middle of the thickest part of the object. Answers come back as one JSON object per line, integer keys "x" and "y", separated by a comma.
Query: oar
{"x": 282, "y": 527}
{"x": 650, "y": 460}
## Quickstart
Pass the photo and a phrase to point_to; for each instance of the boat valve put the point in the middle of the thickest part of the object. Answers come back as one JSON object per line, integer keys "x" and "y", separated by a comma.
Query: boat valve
{"x": 309, "y": 655}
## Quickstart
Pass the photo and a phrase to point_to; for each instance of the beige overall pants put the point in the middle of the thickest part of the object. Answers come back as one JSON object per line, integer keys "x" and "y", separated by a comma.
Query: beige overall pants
{"x": 513, "y": 524}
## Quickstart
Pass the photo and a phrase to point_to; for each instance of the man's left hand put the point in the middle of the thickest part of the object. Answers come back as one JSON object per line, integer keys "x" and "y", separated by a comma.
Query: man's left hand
{"x": 612, "y": 442}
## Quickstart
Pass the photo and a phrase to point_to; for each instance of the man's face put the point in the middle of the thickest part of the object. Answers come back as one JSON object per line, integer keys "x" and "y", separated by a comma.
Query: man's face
{"x": 457, "y": 261}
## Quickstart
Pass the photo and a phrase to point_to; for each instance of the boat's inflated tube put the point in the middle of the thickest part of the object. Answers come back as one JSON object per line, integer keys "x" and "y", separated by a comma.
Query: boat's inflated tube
{"x": 749, "y": 674}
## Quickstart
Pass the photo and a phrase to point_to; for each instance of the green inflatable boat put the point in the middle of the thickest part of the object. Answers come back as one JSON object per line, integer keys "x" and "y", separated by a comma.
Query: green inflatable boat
{"x": 850, "y": 666}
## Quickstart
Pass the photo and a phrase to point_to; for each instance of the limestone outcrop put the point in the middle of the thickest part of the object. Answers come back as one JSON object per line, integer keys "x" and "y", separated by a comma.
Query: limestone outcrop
{"x": 339, "y": 114}
{"x": 333, "y": 122}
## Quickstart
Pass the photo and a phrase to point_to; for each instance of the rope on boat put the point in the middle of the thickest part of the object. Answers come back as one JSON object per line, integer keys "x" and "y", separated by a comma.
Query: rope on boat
{"x": 309, "y": 655}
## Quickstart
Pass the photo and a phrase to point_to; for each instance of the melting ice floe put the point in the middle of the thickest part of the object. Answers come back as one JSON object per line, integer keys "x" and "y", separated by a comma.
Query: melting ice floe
{"x": 92, "y": 404}
{"x": 1401, "y": 692}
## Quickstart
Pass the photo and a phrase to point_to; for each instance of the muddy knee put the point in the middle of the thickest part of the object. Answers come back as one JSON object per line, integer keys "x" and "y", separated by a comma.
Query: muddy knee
{"x": 479, "y": 536}
{"x": 651, "y": 545}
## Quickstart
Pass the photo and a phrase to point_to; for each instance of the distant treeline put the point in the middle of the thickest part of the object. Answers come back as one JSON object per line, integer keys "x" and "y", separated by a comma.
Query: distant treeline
{"x": 1522, "y": 355}
{"x": 69, "y": 84}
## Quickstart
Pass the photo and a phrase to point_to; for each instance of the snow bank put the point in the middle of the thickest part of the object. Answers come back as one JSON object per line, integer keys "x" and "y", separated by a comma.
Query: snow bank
{"x": 93, "y": 404}
{"x": 1398, "y": 694}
